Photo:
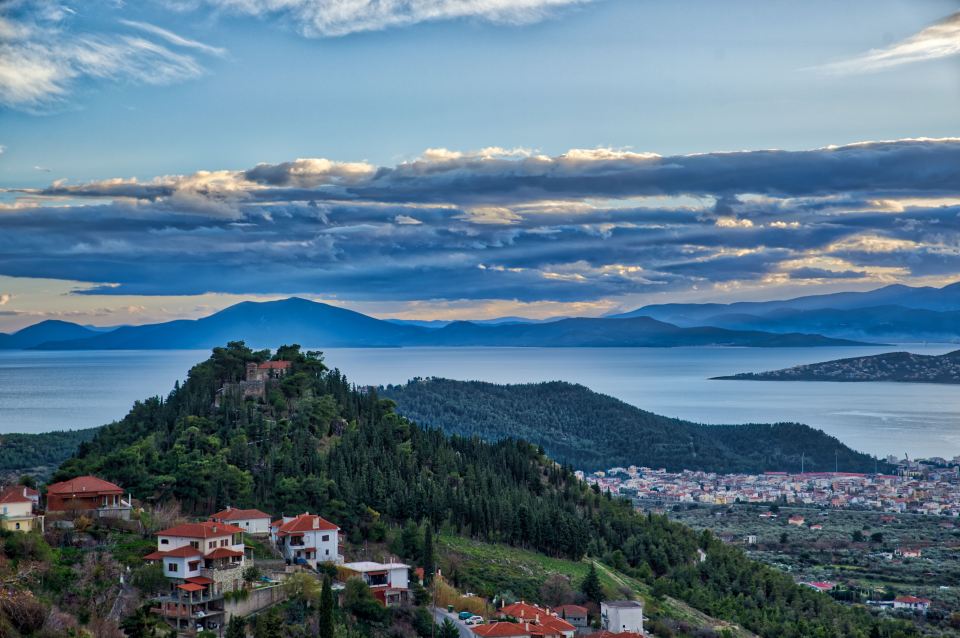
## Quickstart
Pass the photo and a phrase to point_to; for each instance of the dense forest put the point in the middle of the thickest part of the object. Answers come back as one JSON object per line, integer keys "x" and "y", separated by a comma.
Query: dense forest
{"x": 317, "y": 443}
{"x": 39, "y": 454}
{"x": 592, "y": 431}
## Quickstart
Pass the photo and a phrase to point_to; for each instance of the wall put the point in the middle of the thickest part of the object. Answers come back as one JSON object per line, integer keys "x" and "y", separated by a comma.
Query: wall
{"x": 258, "y": 600}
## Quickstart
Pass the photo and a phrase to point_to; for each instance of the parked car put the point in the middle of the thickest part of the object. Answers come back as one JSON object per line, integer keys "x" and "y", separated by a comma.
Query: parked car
{"x": 463, "y": 615}
{"x": 473, "y": 620}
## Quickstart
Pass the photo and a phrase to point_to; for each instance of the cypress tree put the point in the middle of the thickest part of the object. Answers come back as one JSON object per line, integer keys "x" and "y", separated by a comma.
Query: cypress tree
{"x": 326, "y": 609}
{"x": 429, "y": 568}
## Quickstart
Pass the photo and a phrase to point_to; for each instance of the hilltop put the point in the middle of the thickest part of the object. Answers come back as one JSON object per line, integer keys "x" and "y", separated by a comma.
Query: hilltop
{"x": 592, "y": 431}
{"x": 311, "y": 441}
{"x": 903, "y": 367}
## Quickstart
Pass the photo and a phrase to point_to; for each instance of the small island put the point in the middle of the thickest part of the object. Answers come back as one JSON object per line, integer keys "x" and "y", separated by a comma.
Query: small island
{"x": 903, "y": 367}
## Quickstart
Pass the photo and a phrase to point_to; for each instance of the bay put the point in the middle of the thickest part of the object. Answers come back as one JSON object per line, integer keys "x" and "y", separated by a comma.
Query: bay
{"x": 42, "y": 391}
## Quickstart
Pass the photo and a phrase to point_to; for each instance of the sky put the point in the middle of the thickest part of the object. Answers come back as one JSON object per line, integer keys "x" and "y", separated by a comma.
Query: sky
{"x": 471, "y": 158}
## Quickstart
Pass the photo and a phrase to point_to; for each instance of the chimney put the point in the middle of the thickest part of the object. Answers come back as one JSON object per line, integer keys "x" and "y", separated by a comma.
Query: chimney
{"x": 316, "y": 522}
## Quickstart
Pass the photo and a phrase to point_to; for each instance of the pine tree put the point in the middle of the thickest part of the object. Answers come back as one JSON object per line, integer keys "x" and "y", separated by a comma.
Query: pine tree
{"x": 448, "y": 630}
{"x": 326, "y": 609}
{"x": 591, "y": 586}
{"x": 429, "y": 568}
{"x": 235, "y": 628}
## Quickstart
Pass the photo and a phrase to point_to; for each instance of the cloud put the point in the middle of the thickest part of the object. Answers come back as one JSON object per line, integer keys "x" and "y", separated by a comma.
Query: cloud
{"x": 173, "y": 38}
{"x": 315, "y": 18}
{"x": 891, "y": 169}
{"x": 582, "y": 227}
{"x": 43, "y": 57}
{"x": 5, "y": 299}
{"x": 939, "y": 40}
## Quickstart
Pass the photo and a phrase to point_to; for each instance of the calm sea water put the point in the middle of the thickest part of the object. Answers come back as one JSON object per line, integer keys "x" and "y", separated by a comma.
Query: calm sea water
{"x": 41, "y": 391}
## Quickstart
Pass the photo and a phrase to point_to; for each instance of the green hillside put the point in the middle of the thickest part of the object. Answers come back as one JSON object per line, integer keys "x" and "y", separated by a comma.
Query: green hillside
{"x": 316, "y": 443}
{"x": 593, "y": 431}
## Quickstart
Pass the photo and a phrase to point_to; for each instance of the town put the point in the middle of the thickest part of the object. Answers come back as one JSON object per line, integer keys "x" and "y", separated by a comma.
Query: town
{"x": 931, "y": 487}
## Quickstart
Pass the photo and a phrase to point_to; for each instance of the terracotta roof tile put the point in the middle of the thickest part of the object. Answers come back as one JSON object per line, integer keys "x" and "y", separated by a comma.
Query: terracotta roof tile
{"x": 206, "y": 529}
{"x": 84, "y": 484}
{"x": 234, "y": 514}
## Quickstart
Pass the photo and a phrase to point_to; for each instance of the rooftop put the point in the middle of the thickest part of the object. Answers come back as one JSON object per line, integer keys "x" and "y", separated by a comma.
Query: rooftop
{"x": 82, "y": 484}
{"x": 206, "y": 529}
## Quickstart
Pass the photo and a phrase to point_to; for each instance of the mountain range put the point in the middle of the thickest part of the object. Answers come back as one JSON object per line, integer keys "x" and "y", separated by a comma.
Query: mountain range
{"x": 321, "y": 325}
{"x": 892, "y": 313}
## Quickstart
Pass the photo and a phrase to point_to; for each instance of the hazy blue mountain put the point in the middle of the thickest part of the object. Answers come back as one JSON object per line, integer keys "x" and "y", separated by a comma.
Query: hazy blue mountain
{"x": 924, "y": 298}
{"x": 292, "y": 320}
{"x": 904, "y": 367}
{"x": 440, "y": 323}
{"x": 50, "y": 330}
{"x": 315, "y": 324}
{"x": 889, "y": 323}
{"x": 632, "y": 332}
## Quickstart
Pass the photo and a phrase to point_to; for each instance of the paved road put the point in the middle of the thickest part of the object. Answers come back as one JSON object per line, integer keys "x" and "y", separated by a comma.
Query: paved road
{"x": 442, "y": 614}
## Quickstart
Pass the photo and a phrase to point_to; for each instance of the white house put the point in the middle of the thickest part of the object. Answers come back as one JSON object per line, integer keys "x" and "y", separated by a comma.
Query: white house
{"x": 203, "y": 561}
{"x": 622, "y": 615}
{"x": 389, "y": 582}
{"x": 208, "y": 550}
{"x": 912, "y": 603}
{"x": 307, "y": 539}
{"x": 252, "y": 521}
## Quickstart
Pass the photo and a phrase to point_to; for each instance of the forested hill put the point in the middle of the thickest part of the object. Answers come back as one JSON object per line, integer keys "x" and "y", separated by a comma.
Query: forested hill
{"x": 593, "y": 431}
{"x": 318, "y": 444}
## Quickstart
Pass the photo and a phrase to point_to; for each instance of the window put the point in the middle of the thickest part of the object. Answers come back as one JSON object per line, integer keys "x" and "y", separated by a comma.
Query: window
{"x": 164, "y": 541}
{"x": 211, "y": 544}
{"x": 172, "y": 567}
{"x": 327, "y": 552}
{"x": 326, "y": 537}
{"x": 193, "y": 565}
{"x": 195, "y": 544}
{"x": 18, "y": 526}
{"x": 224, "y": 543}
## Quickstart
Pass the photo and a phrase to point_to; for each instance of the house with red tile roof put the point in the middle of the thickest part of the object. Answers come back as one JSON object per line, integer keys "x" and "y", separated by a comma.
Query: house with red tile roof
{"x": 16, "y": 510}
{"x": 89, "y": 495}
{"x": 306, "y": 539}
{"x": 509, "y": 629}
{"x": 821, "y": 586}
{"x": 543, "y": 617}
{"x": 252, "y": 521}
{"x": 203, "y": 562}
{"x": 911, "y": 603}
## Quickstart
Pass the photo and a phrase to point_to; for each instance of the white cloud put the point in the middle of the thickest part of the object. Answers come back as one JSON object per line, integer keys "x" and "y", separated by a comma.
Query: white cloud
{"x": 5, "y": 299}
{"x": 342, "y": 17}
{"x": 939, "y": 40}
{"x": 173, "y": 38}
{"x": 42, "y": 58}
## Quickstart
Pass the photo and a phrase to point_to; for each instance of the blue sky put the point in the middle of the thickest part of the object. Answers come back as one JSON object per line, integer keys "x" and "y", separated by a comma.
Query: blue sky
{"x": 97, "y": 92}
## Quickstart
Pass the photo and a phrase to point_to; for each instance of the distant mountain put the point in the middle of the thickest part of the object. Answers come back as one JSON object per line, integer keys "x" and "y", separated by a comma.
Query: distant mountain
{"x": 593, "y": 431}
{"x": 440, "y": 323}
{"x": 892, "y": 313}
{"x": 904, "y": 367}
{"x": 259, "y": 324}
{"x": 316, "y": 324}
{"x": 50, "y": 330}
{"x": 887, "y": 323}
{"x": 632, "y": 332}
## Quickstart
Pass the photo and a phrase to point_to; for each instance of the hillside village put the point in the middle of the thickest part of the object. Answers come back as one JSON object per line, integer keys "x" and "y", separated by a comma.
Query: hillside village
{"x": 211, "y": 578}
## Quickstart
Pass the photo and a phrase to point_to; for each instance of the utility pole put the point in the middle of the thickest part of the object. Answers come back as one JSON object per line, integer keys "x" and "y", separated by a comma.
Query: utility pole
{"x": 836, "y": 461}
{"x": 802, "y": 454}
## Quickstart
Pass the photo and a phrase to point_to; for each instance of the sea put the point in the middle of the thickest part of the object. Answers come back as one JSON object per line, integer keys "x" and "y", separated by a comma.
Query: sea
{"x": 47, "y": 390}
